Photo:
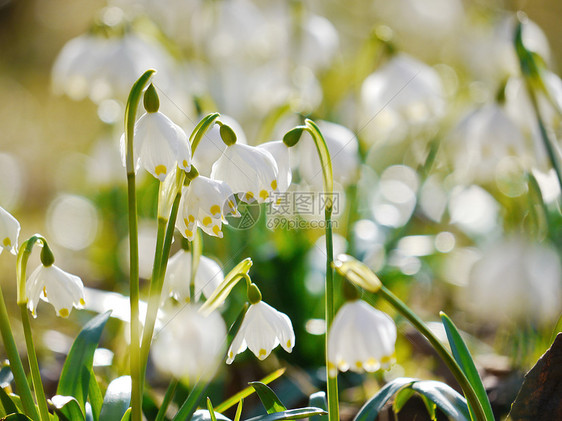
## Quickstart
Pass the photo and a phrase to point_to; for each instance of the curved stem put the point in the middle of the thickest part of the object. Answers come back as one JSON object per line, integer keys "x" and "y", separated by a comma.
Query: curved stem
{"x": 469, "y": 392}
{"x": 327, "y": 176}
{"x": 34, "y": 365}
{"x": 134, "y": 350}
{"x": 22, "y": 386}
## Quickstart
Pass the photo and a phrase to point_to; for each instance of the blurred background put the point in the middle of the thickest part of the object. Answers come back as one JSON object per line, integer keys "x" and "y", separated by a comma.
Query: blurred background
{"x": 444, "y": 186}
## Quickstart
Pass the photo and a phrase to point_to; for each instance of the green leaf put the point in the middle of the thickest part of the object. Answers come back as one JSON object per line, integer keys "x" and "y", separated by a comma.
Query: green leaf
{"x": 290, "y": 414}
{"x": 117, "y": 399}
{"x": 401, "y": 398}
{"x": 431, "y": 407}
{"x": 75, "y": 376}
{"x": 318, "y": 400}
{"x": 127, "y": 415}
{"x": 463, "y": 358}
{"x": 233, "y": 400}
{"x": 239, "y": 410}
{"x": 446, "y": 398}
{"x": 94, "y": 396}
{"x": 268, "y": 398}
{"x": 210, "y": 409}
{"x": 205, "y": 124}
{"x": 16, "y": 417}
{"x": 67, "y": 408}
{"x": 373, "y": 406}
{"x": 7, "y": 403}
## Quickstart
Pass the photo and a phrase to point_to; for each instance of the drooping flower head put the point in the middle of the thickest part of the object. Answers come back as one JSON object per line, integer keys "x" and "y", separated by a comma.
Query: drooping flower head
{"x": 159, "y": 144}
{"x": 262, "y": 329}
{"x": 191, "y": 345}
{"x": 361, "y": 338}
{"x": 55, "y": 286}
{"x": 177, "y": 280}
{"x": 205, "y": 203}
{"x": 282, "y": 155}
{"x": 9, "y": 232}
{"x": 249, "y": 171}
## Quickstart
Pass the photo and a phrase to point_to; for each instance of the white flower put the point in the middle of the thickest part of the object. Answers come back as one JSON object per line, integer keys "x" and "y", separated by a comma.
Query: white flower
{"x": 205, "y": 203}
{"x": 54, "y": 286}
{"x": 262, "y": 329}
{"x": 515, "y": 280}
{"x": 282, "y": 155}
{"x": 178, "y": 277}
{"x": 190, "y": 345}
{"x": 360, "y": 338}
{"x": 9, "y": 232}
{"x": 344, "y": 153}
{"x": 159, "y": 145}
{"x": 249, "y": 171}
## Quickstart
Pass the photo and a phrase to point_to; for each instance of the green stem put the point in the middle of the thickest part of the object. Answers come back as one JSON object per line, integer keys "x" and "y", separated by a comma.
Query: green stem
{"x": 22, "y": 386}
{"x": 156, "y": 284}
{"x": 167, "y": 399}
{"x": 34, "y": 365}
{"x": 328, "y": 180}
{"x": 134, "y": 350}
{"x": 190, "y": 404}
{"x": 469, "y": 392}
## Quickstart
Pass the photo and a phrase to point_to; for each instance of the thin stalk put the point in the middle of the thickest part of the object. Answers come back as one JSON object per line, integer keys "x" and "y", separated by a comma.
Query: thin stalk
{"x": 156, "y": 285}
{"x": 189, "y": 406}
{"x": 22, "y": 386}
{"x": 34, "y": 365}
{"x": 469, "y": 392}
{"x": 328, "y": 183}
{"x": 167, "y": 399}
{"x": 134, "y": 349}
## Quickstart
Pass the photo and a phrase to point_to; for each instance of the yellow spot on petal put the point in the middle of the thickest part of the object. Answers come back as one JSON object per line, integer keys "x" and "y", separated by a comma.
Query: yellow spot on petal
{"x": 215, "y": 209}
{"x": 160, "y": 169}
{"x": 184, "y": 163}
{"x": 231, "y": 354}
{"x": 264, "y": 195}
{"x": 372, "y": 361}
{"x": 64, "y": 312}
{"x": 45, "y": 291}
{"x": 82, "y": 302}
{"x": 216, "y": 230}
{"x": 7, "y": 242}
{"x": 188, "y": 233}
{"x": 185, "y": 221}
{"x": 386, "y": 359}
{"x": 358, "y": 364}
{"x": 207, "y": 221}
{"x": 249, "y": 196}
{"x": 289, "y": 343}
{"x": 274, "y": 184}
{"x": 262, "y": 353}
{"x": 191, "y": 218}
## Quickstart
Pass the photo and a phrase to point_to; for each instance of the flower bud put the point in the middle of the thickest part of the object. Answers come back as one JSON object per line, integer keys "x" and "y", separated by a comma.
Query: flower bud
{"x": 357, "y": 272}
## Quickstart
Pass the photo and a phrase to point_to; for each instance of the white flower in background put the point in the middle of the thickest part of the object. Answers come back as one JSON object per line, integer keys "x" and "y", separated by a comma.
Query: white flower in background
{"x": 55, "y": 286}
{"x": 344, "y": 152}
{"x": 9, "y": 232}
{"x": 103, "y": 67}
{"x": 177, "y": 280}
{"x": 262, "y": 329}
{"x": 190, "y": 346}
{"x": 515, "y": 280}
{"x": 319, "y": 43}
{"x": 205, "y": 203}
{"x": 481, "y": 140}
{"x": 404, "y": 93}
{"x": 211, "y": 146}
{"x": 282, "y": 155}
{"x": 159, "y": 145}
{"x": 249, "y": 171}
{"x": 360, "y": 338}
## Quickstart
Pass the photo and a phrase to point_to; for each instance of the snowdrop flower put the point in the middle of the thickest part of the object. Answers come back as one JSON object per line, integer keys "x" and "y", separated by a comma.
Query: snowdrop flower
{"x": 178, "y": 277}
{"x": 282, "y": 155}
{"x": 360, "y": 338}
{"x": 9, "y": 232}
{"x": 250, "y": 171}
{"x": 191, "y": 345}
{"x": 159, "y": 145}
{"x": 205, "y": 203}
{"x": 55, "y": 286}
{"x": 515, "y": 280}
{"x": 344, "y": 152}
{"x": 262, "y": 329}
